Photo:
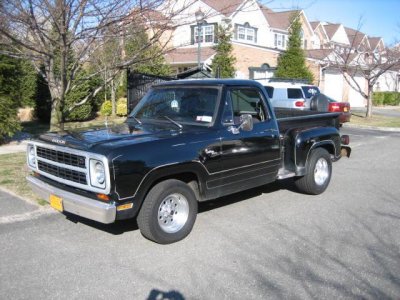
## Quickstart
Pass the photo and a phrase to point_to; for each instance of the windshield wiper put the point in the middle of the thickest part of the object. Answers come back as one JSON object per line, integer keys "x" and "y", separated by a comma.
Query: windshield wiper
{"x": 136, "y": 119}
{"x": 174, "y": 122}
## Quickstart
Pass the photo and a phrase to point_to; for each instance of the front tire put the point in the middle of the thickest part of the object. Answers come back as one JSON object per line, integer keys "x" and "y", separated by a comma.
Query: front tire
{"x": 168, "y": 212}
{"x": 319, "y": 172}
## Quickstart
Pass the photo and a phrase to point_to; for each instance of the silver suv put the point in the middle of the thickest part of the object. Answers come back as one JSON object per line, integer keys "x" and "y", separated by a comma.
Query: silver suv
{"x": 291, "y": 95}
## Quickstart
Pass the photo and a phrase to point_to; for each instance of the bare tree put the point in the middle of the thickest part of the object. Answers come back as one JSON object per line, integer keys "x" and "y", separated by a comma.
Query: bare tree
{"x": 359, "y": 60}
{"x": 60, "y": 37}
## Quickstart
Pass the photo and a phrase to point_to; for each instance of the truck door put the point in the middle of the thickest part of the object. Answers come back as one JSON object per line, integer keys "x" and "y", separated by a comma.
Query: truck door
{"x": 248, "y": 158}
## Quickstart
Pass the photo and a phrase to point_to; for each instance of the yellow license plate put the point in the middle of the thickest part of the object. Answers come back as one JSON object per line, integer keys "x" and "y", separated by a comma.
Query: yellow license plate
{"x": 345, "y": 109}
{"x": 56, "y": 202}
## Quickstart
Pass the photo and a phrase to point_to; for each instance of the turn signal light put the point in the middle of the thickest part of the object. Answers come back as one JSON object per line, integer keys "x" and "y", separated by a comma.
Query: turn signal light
{"x": 124, "y": 206}
{"x": 103, "y": 197}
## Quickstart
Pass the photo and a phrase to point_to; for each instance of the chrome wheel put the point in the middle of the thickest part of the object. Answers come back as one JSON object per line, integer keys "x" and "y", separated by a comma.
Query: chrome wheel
{"x": 321, "y": 171}
{"x": 173, "y": 213}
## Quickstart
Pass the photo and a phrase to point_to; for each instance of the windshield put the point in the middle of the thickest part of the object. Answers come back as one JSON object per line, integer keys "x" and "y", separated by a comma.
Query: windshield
{"x": 310, "y": 90}
{"x": 187, "y": 105}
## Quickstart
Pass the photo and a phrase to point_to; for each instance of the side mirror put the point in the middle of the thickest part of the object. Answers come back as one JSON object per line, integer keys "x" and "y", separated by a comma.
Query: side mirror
{"x": 246, "y": 123}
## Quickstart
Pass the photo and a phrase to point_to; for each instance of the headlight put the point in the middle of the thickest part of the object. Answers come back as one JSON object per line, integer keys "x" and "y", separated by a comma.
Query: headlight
{"x": 31, "y": 156}
{"x": 97, "y": 174}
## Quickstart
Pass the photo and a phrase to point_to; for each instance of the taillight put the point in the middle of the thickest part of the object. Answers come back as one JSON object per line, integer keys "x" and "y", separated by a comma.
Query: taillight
{"x": 334, "y": 107}
{"x": 299, "y": 103}
{"x": 345, "y": 139}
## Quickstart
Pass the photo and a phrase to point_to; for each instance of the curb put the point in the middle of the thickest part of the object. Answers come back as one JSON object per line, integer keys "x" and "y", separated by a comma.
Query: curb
{"x": 28, "y": 200}
{"x": 387, "y": 129}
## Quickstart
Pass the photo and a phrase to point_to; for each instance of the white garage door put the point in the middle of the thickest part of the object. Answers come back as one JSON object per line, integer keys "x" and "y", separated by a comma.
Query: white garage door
{"x": 355, "y": 98}
{"x": 333, "y": 85}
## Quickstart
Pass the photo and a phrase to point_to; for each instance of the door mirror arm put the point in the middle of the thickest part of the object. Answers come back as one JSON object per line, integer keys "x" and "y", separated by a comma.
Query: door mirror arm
{"x": 246, "y": 124}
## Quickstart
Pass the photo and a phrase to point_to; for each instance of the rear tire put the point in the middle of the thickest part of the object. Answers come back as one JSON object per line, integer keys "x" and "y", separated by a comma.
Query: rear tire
{"x": 168, "y": 212}
{"x": 319, "y": 172}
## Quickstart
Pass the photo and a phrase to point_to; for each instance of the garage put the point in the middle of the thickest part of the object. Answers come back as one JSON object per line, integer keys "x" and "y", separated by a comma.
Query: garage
{"x": 333, "y": 86}
{"x": 355, "y": 98}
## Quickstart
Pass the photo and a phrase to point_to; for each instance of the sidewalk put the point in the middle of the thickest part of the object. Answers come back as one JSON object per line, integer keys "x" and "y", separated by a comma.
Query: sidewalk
{"x": 13, "y": 147}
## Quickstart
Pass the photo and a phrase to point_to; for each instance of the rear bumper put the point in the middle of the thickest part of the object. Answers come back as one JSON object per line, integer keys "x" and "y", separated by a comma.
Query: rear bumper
{"x": 75, "y": 204}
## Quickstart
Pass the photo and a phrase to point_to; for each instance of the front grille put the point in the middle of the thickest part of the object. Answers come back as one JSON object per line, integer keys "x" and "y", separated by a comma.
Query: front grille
{"x": 71, "y": 175}
{"x": 61, "y": 157}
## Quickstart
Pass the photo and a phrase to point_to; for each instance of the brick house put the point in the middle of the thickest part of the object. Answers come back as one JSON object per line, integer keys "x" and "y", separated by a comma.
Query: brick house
{"x": 259, "y": 35}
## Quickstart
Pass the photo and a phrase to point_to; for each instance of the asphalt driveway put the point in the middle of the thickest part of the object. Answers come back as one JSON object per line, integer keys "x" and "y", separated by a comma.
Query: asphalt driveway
{"x": 269, "y": 242}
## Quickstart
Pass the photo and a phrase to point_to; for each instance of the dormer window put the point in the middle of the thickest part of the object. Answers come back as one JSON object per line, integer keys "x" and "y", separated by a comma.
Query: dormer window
{"x": 245, "y": 33}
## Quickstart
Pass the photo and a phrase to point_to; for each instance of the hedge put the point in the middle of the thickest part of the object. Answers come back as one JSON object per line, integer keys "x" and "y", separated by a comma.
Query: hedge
{"x": 386, "y": 98}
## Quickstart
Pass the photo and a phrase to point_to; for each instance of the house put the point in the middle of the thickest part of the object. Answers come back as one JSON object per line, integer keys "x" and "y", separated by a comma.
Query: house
{"x": 260, "y": 34}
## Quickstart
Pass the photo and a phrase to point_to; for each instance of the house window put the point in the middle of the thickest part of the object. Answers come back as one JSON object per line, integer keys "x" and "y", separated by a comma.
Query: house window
{"x": 246, "y": 33}
{"x": 280, "y": 41}
{"x": 204, "y": 34}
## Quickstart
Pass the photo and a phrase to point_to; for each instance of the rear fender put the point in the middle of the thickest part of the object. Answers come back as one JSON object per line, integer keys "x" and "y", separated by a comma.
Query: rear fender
{"x": 307, "y": 140}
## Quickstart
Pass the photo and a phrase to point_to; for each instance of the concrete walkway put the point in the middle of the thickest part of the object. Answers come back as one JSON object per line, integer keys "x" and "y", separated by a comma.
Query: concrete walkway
{"x": 13, "y": 148}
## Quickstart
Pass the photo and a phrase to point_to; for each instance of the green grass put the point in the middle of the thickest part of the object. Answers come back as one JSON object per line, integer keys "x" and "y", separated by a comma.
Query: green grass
{"x": 12, "y": 176}
{"x": 375, "y": 120}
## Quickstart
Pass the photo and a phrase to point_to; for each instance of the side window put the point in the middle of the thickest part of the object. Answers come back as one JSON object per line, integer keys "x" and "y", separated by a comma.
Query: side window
{"x": 270, "y": 91}
{"x": 242, "y": 101}
{"x": 294, "y": 93}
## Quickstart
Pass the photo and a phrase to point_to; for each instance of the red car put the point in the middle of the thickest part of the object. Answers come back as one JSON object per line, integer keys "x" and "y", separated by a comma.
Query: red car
{"x": 320, "y": 100}
{"x": 342, "y": 107}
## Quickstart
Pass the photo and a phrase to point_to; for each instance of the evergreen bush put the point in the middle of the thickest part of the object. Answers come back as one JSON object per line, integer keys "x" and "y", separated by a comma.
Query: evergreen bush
{"x": 292, "y": 63}
{"x": 8, "y": 118}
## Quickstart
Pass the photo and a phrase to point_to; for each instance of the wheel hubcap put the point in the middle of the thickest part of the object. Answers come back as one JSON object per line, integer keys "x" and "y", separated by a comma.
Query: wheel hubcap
{"x": 173, "y": 213}
{"x": 321, "y": 171}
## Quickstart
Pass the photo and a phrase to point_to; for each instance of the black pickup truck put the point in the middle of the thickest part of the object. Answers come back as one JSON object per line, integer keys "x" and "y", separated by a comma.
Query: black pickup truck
{"x": 185, "y": 142}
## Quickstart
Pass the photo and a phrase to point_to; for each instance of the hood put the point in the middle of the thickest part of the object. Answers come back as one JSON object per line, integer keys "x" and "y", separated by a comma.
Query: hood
{"x": 128, "y": 132}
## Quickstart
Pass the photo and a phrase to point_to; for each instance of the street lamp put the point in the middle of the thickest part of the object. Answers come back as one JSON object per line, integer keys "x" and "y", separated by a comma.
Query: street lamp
{"x": 199, "y": 19}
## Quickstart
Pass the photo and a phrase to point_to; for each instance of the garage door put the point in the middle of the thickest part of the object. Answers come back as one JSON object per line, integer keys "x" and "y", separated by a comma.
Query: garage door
{"x": 333, "y": 86}
{"x": 355, "y": 98}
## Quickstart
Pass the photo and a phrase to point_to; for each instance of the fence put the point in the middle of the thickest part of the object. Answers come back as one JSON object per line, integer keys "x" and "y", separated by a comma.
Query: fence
{"x": 139, "y": 84}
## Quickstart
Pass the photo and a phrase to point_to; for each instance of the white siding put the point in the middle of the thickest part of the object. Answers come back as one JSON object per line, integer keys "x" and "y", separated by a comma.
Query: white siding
{"x": 182, "y": 34}
{"x": 340, "y": 36}
{"x": 387, "y": 82}
{"x": 250, "y": 12}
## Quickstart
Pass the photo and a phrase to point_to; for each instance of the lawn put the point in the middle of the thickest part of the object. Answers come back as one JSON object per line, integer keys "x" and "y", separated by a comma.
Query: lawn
{"x": 375, "y": 120}
{"x": 12, "y": 175}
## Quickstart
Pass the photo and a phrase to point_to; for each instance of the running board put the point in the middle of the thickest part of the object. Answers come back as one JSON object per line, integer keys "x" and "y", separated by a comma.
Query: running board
{"x": 283, "y": 174}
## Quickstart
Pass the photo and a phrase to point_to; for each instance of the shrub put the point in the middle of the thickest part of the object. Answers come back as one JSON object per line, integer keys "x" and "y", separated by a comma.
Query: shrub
{"x": 122, "y": 107}
{"x": 8, "y": 118}
{"x": 386, "y": 98}
{"x": 106, "y": 108}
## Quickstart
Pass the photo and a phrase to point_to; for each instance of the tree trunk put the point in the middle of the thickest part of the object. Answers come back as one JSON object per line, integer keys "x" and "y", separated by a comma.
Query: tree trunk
{"x": 369, "y": 102}
{"x": 113, "y": 105}
{"x": 56, "y": 119}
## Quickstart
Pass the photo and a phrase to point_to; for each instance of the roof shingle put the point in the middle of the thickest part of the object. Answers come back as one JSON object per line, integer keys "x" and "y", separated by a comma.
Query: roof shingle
{"x": 225, "y": 7}
{"x": 188, "y": 55}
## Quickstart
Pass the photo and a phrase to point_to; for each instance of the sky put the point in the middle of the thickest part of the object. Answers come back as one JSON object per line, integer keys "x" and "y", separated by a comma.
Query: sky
{"x": 378, "y": 17}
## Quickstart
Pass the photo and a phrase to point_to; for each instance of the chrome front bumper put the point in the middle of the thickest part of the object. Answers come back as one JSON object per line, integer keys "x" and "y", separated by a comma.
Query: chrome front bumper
{"x": 75, "y": 204}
